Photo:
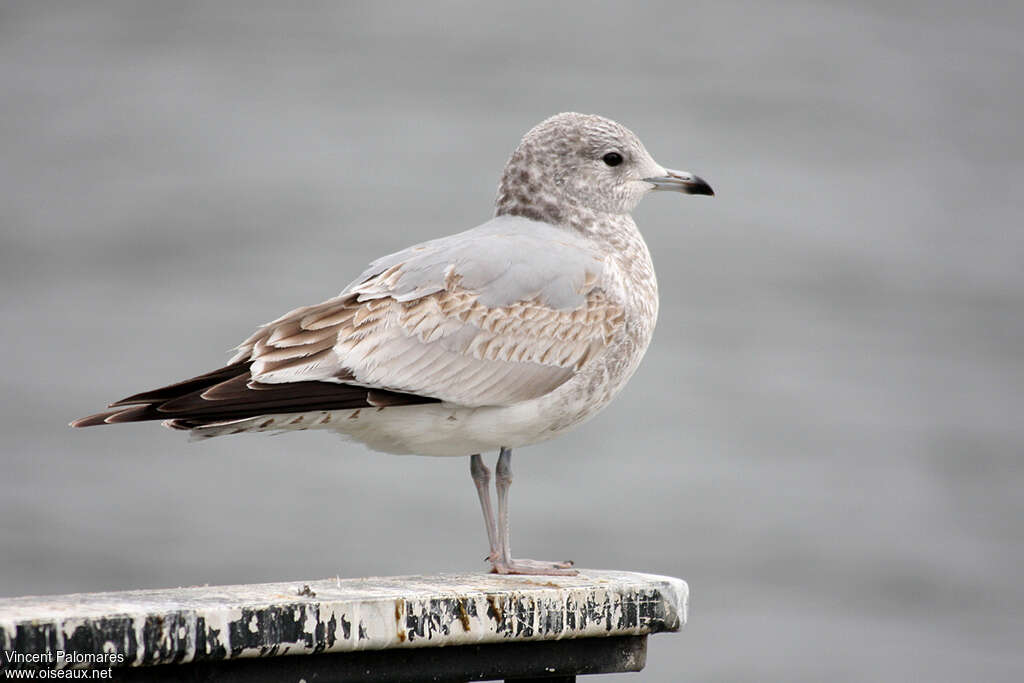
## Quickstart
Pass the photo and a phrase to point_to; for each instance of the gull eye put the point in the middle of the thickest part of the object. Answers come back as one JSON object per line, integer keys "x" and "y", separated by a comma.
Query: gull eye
{"x": 612, "y": 158}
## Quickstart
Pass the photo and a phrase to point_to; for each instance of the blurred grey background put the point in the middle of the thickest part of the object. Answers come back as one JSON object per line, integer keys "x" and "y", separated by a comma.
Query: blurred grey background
{"x": 825, "y": 438}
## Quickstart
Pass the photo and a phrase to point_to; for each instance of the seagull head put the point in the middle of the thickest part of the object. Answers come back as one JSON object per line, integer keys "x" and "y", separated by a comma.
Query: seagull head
{"x": 581, "y": 161}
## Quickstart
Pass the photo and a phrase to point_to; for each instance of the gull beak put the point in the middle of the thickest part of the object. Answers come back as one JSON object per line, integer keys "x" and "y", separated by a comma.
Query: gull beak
{"x": 680, "y": 181}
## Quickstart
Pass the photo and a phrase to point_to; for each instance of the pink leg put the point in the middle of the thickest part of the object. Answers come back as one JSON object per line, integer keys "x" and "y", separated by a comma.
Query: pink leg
{"x": 503, "y": 562}
{"x": 482, "y": 479}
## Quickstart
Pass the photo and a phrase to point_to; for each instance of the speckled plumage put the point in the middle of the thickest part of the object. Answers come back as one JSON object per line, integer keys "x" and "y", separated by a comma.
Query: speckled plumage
{"x": 562, "y": 245}
{"x": 511, "y": 333}
{"x": 497, "y": 337}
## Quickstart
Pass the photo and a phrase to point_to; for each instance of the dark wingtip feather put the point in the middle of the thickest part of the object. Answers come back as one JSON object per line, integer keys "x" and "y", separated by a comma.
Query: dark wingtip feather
{"x": 92, "y": 420}
{"x": 225, "y": 390}
{"x": 230, "y": 393}
{"x": 178, "y": 389}
{"x": 132, "y": 414}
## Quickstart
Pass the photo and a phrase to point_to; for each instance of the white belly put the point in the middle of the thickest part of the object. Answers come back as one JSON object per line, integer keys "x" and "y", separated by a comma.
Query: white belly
{"x": 441, "y": 429}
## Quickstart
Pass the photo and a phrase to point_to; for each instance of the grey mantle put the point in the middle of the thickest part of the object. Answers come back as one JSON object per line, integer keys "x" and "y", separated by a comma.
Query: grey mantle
{"x": 222, "y": 624}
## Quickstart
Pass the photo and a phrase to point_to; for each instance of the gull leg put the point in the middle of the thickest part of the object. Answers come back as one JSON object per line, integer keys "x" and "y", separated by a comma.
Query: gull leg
{"x": 482, "y": 479}
{"x": 504, "y": 564}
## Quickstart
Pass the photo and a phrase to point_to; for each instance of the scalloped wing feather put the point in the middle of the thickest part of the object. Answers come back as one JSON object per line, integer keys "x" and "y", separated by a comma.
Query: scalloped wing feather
{"x": 505, "y": 313}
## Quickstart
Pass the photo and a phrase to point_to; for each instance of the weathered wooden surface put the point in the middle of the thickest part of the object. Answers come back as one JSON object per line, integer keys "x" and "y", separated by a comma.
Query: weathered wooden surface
{"x": 206, "y": 623}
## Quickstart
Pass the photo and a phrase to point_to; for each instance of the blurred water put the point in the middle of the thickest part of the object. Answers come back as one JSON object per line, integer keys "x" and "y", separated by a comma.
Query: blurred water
{"x": 825, "y": 438}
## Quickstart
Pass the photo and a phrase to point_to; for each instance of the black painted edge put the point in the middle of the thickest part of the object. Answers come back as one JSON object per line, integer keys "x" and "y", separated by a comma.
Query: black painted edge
{"x": 537, "y": 659}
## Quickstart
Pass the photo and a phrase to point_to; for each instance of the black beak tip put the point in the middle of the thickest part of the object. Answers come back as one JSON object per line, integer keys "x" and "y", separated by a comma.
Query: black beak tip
{"x": 699, "y": 186}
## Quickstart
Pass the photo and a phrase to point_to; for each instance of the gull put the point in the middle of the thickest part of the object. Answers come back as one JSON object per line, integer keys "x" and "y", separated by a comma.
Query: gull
{"x": 505, "y": 335}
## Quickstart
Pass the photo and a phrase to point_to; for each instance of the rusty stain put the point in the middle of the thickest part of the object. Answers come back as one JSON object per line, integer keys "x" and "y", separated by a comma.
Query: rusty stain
{"x": 354, "y": 414}
{"x": 463, "y": 615}
{"x": 492, "y": 600}
{"x": 399, "y": 609}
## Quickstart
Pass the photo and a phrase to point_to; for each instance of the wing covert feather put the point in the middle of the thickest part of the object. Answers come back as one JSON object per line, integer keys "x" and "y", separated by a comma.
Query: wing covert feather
{"x": 503, "y": 313}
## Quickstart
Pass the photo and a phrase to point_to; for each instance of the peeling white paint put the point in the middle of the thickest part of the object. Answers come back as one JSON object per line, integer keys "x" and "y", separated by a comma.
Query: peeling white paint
{"x": 418, "y": 611}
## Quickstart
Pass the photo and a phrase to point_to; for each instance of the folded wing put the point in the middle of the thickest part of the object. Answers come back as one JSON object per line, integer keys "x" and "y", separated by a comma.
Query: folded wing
{"x": 502, "y": 313}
